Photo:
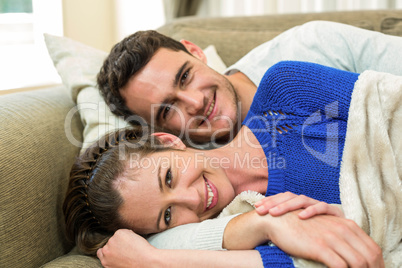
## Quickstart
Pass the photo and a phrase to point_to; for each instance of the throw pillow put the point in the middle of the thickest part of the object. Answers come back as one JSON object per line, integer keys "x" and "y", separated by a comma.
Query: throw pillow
{"x": 78, "y": 65}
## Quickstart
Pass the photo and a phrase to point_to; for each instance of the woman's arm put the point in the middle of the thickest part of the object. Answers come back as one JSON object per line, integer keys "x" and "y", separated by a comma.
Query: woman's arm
{"x": 249, "y": 231}
{"x": 127, "y": 249}
{"x": 328, "y": 239}
{"x": 331, "y": 240}
{"x": 208, "y": 235}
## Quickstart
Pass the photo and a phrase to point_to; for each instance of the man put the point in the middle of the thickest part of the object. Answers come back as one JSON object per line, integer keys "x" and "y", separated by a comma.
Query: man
{"x": 168, "y": 83}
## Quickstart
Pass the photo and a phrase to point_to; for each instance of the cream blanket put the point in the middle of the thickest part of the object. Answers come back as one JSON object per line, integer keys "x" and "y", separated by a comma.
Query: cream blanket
{"x": 371, "y": 169}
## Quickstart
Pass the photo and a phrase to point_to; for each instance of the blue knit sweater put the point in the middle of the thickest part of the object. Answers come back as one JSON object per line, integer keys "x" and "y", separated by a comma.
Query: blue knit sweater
{"x": 299, "y": 115}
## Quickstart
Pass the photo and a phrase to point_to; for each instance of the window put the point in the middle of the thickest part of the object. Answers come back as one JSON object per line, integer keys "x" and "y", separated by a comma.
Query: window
{"x": 25, "y": 61}
{"x": 16, "y": 22}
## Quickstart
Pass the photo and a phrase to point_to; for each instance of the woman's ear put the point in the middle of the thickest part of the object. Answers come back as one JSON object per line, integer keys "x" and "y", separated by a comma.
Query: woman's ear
{"x": 195, "y": 50}
{"x": 170, "y": 140}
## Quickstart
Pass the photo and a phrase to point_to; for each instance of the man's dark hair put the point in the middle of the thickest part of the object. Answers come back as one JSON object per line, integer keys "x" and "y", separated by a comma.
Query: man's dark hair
{"x": 125, "y": 59}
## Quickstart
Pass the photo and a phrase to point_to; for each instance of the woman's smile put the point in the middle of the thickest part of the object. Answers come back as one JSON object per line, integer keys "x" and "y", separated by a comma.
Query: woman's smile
{"x": 211, "y": 194}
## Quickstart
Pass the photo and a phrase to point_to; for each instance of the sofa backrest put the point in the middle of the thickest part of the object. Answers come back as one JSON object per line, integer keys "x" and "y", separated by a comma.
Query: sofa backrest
{"x": 233, "y": 37}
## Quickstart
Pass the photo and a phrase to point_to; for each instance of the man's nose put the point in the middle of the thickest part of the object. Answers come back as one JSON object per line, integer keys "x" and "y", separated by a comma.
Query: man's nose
{"x": 193, "y": 101}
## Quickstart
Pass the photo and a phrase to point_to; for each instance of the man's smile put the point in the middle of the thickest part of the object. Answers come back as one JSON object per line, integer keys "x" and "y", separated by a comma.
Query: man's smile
{"x": 209, "y": 111}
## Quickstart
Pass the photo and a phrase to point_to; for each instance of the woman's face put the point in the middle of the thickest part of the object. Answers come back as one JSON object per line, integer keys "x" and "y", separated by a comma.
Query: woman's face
{"x": 171, "y": 188}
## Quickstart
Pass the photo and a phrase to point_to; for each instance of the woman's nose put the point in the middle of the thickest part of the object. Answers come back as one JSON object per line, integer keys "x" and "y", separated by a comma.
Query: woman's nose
{"x": 188, "y": 197}
{"x": 193, "y": 101}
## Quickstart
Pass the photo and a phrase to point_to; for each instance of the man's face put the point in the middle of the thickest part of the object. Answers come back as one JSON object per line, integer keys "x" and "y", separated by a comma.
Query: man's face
{"x": 182, "y": 95}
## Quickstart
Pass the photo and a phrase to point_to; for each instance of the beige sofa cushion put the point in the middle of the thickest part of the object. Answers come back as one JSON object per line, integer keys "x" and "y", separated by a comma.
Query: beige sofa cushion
{"x": 36, "y": 157}
{"x": 74, "y": 259}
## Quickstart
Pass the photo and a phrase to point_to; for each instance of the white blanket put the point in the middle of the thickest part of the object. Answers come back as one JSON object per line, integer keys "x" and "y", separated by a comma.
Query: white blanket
{"x": 371, "y": 170}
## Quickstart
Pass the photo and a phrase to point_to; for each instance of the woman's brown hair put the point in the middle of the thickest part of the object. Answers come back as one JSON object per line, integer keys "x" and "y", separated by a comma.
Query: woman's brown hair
{"x": 92, "y": 201}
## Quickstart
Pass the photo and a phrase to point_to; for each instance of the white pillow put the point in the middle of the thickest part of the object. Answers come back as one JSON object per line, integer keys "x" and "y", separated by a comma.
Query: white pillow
{"x": 213, "y": 59}
{"x": 78, "y": 65}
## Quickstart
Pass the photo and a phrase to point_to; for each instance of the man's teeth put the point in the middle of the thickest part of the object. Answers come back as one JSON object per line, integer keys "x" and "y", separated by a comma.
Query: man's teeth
{"x": 211, "y": 107}
{"x": 210, "y": 195}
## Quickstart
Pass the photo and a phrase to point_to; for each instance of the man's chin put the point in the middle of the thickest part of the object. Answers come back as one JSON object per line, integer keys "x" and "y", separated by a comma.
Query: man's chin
{"x": 196, "y": 138}
{"x": 212, "y": 141}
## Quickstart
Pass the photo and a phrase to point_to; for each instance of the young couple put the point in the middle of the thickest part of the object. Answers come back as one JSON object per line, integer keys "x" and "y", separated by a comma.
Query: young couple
{"x": 107, "y": 193}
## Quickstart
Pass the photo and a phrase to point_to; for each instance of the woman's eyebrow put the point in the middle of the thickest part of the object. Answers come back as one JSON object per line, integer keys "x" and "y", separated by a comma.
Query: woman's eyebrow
{"x": 160, "y": 179}
{"x": 161, "y": 190}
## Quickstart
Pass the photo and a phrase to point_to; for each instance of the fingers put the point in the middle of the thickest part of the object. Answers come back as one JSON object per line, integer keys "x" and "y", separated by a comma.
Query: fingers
{"x": 99, "y": 254}
{"x": 354, "y": 247}
{"x": 319, "y": 209}
{"x": 282, "y": 203}
{"x": 370, "y": 251}
{"x": 101, "y": 257}
{"x": 264, "y": 206}
{"x": 329, "y": 257}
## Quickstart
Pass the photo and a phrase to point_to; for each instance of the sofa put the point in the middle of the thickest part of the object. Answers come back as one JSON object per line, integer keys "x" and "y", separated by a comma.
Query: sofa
{"x": 41, "y": 133}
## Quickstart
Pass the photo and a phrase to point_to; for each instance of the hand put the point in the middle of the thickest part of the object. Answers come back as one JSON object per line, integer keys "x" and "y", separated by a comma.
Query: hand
{"x": 125, "y": 249}
{"x": 334, "y": 241}
{"x": 282, "y": 203}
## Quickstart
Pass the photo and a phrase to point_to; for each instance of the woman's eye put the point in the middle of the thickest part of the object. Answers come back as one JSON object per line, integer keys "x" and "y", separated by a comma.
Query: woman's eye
{"x": 168, "y": 216}
{"x": 166, "y": 111}
{"x": 168, "y": 179}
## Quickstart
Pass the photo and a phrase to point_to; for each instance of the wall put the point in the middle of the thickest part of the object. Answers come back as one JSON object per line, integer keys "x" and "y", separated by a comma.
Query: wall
{"x": 102, "y": 23}
{"x": 91, "y": 22}
{"x": 214, "y": 8}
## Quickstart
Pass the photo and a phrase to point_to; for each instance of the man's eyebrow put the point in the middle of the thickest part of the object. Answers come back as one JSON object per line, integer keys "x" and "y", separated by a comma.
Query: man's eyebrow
{"x": 161, "y": 189}
{"x": 178, "y": 74}
{"x": 175, "y": 84}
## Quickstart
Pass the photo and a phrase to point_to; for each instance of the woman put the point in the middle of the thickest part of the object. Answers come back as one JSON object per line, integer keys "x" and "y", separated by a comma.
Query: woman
{"x": 100, "y": 200}
{"x": 175, "y": 186}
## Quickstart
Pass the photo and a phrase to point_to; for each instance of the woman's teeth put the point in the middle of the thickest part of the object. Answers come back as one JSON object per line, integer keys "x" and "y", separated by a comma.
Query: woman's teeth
{"x": 211, "y": 107}
{"x": 210, "y": 195}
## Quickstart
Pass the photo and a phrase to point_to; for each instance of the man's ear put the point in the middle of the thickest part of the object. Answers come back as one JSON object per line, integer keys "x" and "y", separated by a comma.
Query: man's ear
{"x": 195, "y": 50}
{"x": 170, "y": 140}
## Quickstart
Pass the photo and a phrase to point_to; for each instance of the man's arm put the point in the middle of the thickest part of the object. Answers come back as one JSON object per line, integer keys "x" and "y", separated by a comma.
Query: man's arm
{"x": 331, "y": 44}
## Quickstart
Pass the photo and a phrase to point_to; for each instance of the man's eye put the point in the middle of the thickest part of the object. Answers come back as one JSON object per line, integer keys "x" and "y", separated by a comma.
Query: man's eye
{"x": 168, "y": 216}
{"x": 168, "y": 179}
{"x": 184, "y": 77}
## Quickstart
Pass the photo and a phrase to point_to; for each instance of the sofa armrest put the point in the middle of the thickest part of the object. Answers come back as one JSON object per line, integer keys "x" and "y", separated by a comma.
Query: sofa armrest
{"x": 36, "y": 156}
